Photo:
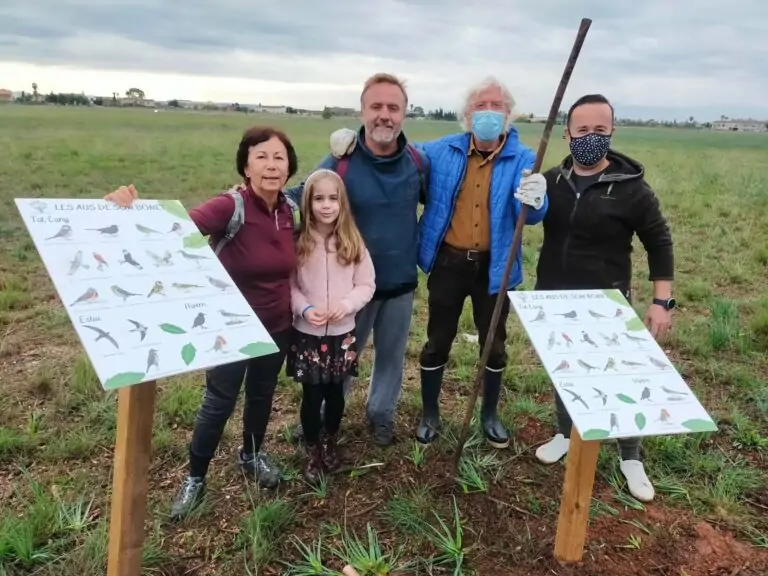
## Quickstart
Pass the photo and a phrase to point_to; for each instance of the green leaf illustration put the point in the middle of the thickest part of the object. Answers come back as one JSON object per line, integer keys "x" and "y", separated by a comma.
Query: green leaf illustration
{"x": 255, "y": 349}
{"x": 640, "y": 420}
{"x": 123, "y": 379}
{"x": 635, "y": 325}
{"x": 626, "y": 399}
{"x": 188, "y": 353}
{"x": 195, "y": 241}
{"x": 174, "y": 208}
{"x": 595, "y": 434}
{"x": 171, "y": 329}
{"x": 699, "y": 425}
{"x": 617, "y": 297}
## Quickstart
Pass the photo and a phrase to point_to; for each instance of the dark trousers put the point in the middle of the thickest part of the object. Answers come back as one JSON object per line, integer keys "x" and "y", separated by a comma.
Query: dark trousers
{"x": 456, "y": 275}
{"x": 314, "y": 395}
{"x": 222, "y": 387}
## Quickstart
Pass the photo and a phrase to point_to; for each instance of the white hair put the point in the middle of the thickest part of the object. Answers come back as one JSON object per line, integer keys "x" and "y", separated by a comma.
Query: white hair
{"x": 488, "y": 82}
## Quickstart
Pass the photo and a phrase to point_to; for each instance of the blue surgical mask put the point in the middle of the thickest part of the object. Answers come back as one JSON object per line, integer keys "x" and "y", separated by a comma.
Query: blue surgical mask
{"x": 487, "y": 125}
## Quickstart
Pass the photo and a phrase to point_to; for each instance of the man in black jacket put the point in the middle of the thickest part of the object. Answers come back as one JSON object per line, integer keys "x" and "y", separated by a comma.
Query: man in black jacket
{"x": 598, "y": 200}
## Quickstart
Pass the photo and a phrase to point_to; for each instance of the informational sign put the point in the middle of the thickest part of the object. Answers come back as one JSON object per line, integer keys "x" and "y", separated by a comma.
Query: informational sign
{"x": 612, "y": 376}
{"x": 144, "y": 291}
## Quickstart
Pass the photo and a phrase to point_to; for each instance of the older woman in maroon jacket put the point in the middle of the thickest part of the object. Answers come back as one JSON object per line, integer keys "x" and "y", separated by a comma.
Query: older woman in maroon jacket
{"x": 260, "y": 259}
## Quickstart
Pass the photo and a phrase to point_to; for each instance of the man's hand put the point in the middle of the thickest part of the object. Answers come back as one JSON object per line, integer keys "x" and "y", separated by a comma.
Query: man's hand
{"x": 343, "y": 141}
{"x": 658, "y": 320}
{"x": 532, "y": 190}
{"x": 337, "y": 312}
{"x": 123, "y": 196}
{"x": 316, "y": 317}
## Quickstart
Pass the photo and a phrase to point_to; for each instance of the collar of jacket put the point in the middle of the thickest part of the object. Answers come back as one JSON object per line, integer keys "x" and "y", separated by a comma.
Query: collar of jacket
{"x": 508, "y": 150}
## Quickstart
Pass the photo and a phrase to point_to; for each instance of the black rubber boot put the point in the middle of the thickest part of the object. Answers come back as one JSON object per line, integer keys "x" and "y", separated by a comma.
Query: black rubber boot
{"x": 495, "y": 432}
{"x": 431, "y": 382}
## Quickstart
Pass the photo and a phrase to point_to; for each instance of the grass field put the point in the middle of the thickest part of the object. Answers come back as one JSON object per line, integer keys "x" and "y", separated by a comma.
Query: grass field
{"x": 57, "y": 426}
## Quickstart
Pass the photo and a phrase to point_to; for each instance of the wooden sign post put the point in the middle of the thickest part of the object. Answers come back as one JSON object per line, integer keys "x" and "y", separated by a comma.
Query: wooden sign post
{"x": 580, "y": 468}
{"x": 130, "y": 484}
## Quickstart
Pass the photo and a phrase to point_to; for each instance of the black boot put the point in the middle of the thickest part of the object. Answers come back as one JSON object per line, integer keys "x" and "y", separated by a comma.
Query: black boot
{"x": 431, "y": 382}
{"x": 494, "y": 430}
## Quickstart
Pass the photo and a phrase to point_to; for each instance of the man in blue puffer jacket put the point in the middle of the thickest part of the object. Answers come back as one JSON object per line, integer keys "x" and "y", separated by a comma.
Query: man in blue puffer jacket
{"x": 479, "y": 180}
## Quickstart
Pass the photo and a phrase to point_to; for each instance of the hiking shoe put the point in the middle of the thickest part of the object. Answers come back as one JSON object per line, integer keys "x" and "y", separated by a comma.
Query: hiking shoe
{"x": 383, "y": 435}
{"x": 553, "y": 450}
{"x": 260, "y": 467}
{"x": 637, "y": 481}
{"x": 331, "y": 456}
{"x": 190, "y": 495}
{"x": 315, "y": 467}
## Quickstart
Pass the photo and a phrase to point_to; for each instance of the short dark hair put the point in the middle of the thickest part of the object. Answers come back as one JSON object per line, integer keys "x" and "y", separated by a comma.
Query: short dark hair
{"x": 589, "y": 99}
{"x": 258, "y": 134}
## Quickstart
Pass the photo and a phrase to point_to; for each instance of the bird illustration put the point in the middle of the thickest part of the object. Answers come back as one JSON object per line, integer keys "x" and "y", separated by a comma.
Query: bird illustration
{"x": 64, "y": 232}
{"x": 77, "y": 263}
{"x": 596, "y": 315}
{"x": 102, "y": 263}
{"x": 664, "y": 416}
{"x": 233, "y": 315}
{"x": 109, "y": 230}
{"x": 585, "y": 338}
{"x": 551, "y": 341}
{"x": 157, "y": 288}
{"x": 658, "y": 363}
{"x": 218, "y": 283}
{"x": 128, "y": 259}
{"x": 587, "y": 367}
{"x": 635, "y": 339}
{"x": 39, "y": 206}
{"x": 124, "y": 294}
{"x": 193, "y": 257}
{"x": 562, "y": 366}
{"x": 218, "y": 344}
{"x": 610, "y": 365}
{"x": 139, "y": 327}
{"x": 152, "y": 359}
{"x": 567, "y": 339}
{"x": 102, "y": 334}
{"x": 611, "y": 341}
{"x": 602, "y": 395}
{"x": 185, "y": 287}
{"x": 157, "y": 260}
{"x": 540, "y": 316}
{"x": 88, "y": 296}
{"x": 199, "y": 321}
{"x": 619, "y": 313}
{"x": 614, "y": 422}
{"x": 145, "y": 230}
{"x": 167, "y": 258}
{"x": 676, "y": 392}
{"x": 572, "y": 314}
{"x": 577, "y": 398}
{"x": 632, "y": 363}
{"x": 234, "y": 322}
{"x": 645, "y": 394}
{"x": 176, "y": 228}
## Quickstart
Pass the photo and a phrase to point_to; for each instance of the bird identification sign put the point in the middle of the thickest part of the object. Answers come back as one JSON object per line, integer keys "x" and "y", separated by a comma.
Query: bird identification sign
{"x": 612, "y": 376}
{"x": 146, "y": 294}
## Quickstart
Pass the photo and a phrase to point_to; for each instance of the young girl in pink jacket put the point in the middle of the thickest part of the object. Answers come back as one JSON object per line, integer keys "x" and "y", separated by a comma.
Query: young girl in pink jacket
{"x": 333, "y": 281}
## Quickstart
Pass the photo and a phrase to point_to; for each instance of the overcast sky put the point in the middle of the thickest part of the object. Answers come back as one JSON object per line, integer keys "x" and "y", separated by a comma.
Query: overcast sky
{"x": 655, "y": 58}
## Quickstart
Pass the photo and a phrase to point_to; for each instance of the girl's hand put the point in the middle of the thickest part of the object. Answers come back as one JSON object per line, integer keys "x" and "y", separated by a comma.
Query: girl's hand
{"x": 123, "y": 196}
{"x": 337, "y": 313}
{"x": 316, "y": 317}
{"x": 349, "y": 571}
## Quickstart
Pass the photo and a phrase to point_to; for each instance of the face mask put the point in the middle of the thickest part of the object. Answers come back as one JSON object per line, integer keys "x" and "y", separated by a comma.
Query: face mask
{"x": 589, "y": 149}
{"x": 487, "y": 125}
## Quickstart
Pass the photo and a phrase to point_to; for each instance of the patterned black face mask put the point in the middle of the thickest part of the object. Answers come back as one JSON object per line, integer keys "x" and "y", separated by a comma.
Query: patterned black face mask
{"x": 589, "y": 149}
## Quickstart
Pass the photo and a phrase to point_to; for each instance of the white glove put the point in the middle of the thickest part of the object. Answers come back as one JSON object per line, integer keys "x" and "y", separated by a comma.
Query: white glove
{"x": 532, "y": 190}
{"x": 343, "y": 141}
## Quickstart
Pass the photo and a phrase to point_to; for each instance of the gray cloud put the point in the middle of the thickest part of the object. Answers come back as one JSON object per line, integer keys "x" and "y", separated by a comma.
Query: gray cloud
{"x": 655, "y": 54}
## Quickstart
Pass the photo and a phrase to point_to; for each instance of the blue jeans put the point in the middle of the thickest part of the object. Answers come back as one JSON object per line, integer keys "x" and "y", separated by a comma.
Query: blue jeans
{"x": 390, "y": 322}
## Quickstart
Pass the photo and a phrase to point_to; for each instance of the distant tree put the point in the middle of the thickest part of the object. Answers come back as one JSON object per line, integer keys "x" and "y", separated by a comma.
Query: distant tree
{"x": 98, "y": 101}
{"x": 135, "y": 93}
{"x": 35, "y": 95}
{"x": 327, "y": 114}
{"x": 290, "y": 110}
{"x": 174, "y": 103}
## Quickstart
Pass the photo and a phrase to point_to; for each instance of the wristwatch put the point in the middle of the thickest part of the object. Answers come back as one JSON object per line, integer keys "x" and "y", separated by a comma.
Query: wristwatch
{"x": 667, "y": 304}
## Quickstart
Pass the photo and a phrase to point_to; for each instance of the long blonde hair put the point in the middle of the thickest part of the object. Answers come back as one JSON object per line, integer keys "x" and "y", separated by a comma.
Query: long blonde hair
{"x": 350, "y": 247}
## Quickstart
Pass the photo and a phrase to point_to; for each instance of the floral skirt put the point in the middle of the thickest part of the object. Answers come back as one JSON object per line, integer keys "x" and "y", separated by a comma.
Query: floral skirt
{"x": 321, "y": 359}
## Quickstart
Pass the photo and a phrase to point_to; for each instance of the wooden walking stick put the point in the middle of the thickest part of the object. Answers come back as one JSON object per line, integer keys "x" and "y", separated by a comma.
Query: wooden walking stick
{"x": 518, "y": 237}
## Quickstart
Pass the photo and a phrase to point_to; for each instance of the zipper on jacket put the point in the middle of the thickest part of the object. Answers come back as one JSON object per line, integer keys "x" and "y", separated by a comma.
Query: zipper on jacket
{"x": 447, "y": 224}
{"x": 578, "y": 195}
{"x": 277, "y": 224}
{"x": 327, "y": 287}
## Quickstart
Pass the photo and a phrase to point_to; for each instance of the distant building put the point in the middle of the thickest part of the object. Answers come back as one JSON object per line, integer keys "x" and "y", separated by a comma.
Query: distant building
{"x": 270, "y": 109}
{"x": 738, "y": 125}
{"x": 139, "y": 102}
{"x": 6, "y": 95}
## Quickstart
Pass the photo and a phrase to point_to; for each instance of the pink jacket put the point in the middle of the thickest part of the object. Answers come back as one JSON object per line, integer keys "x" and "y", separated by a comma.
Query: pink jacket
{"x": 323, "y": 282}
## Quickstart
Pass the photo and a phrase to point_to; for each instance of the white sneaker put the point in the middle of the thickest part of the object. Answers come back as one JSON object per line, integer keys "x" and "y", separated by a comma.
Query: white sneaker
{"x": 553, "y": 450}
{"x": 637, "y": 481}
